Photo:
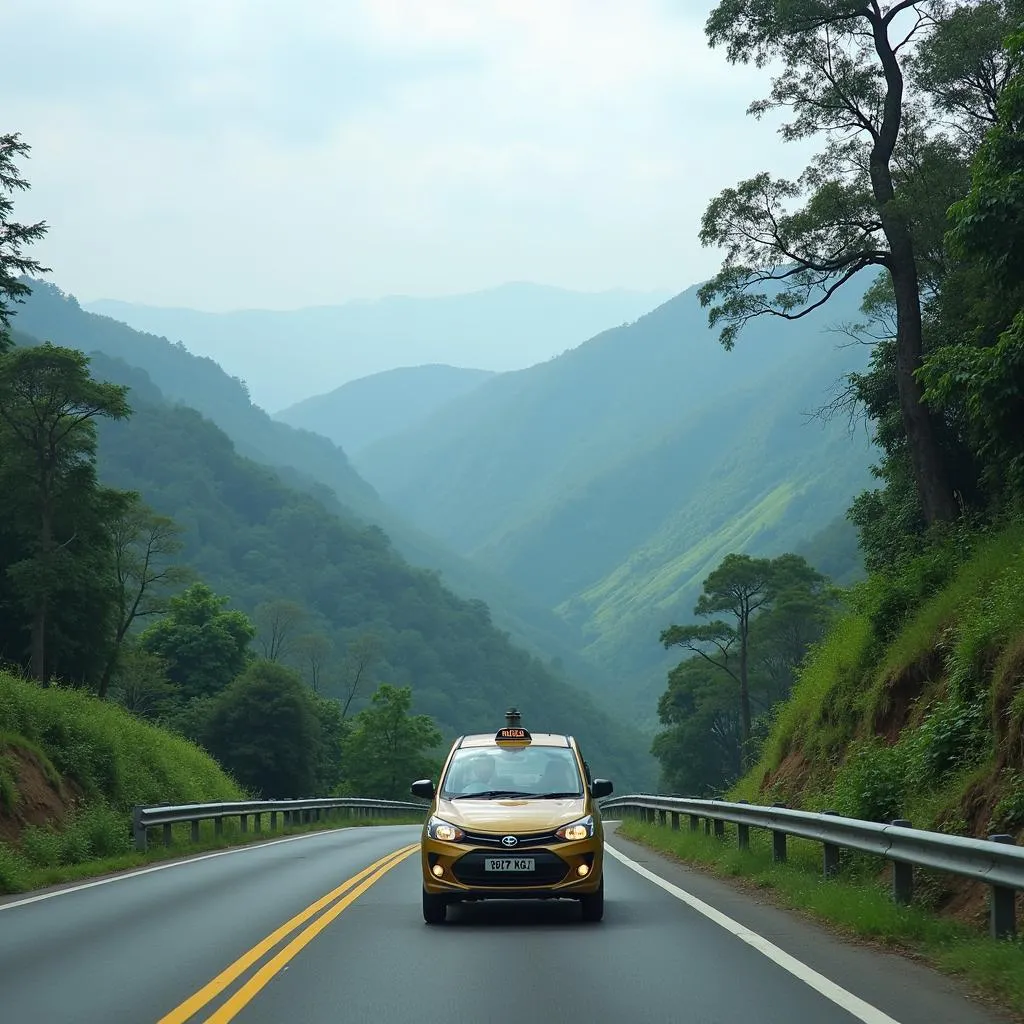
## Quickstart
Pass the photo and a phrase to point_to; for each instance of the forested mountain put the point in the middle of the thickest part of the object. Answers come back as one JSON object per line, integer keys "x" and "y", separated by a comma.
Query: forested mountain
{"x": 612, "y": 479}
{"x": 304, "y": 460}
{"x": 366, "y": 410}
{"x": 250, "y": 536}
{"x": 286, "y": 356}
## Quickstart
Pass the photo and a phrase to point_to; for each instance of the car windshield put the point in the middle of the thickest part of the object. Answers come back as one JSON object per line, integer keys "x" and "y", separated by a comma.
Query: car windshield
{"x": 513, "y": 771}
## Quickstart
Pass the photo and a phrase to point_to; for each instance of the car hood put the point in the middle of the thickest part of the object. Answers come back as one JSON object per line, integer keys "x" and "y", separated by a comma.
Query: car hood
{"x": 510, "y": 814}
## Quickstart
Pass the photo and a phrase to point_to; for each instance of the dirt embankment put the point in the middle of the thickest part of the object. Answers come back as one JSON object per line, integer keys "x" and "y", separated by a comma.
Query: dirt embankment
{"x": 33, "y": 794}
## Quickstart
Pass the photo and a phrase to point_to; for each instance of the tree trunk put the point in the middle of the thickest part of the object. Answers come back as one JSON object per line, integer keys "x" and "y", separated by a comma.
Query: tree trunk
{"x": 744, "y": 694}
{"x": 931, "y": 475}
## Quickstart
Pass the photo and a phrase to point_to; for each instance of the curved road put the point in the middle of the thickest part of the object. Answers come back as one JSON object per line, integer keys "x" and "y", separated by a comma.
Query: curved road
{"x": 327, "y": 928}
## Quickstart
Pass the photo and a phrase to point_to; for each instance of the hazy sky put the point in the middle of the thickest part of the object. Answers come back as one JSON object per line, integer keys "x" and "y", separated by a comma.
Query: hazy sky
{"x": 278, "y": 153}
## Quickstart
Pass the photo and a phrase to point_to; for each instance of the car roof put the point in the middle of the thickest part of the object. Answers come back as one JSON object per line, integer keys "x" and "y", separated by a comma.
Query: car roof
{"x": 537, "y": 739}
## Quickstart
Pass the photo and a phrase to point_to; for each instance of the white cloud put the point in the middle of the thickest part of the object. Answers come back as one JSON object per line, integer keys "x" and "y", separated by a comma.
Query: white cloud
{"x": 221, "y": 153}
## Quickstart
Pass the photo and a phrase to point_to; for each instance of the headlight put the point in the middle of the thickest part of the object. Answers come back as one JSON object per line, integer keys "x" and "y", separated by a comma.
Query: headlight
{"x": 438, "y": 828}
{"x": 577, "y": 830}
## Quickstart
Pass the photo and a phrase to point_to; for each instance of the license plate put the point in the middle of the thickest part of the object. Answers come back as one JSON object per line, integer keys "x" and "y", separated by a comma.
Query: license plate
{"x": 509, "y": 864}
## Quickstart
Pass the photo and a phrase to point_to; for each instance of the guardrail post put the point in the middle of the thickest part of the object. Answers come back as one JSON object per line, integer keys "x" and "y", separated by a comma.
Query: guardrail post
{"x": 694, "y": 823}
{"x": 168, "y": 835}
{"x": 830, "y": 856}
{"x": 719, "y": 828}
{"x": 195, "y": 830}
{"x": 1002, "y": 903}
{"x": 243, "y": 822}
{"x": 257, "y": 822}
{"x": 707, "y": 826}
{"x": 662, "y": 818}
{"x": 218, "y": 826}
{"x": 273, "y": 821}
{"x": 778, "y": 843}
{"x": 675, "y": 821}
{"x": 139, "y": 833}
{"x": 902, "y": 873}
{"x": 743, "y": 833}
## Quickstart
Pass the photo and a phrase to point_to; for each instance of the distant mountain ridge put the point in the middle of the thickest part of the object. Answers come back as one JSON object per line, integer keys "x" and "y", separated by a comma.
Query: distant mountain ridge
{"x": 303, "y": 459}
{"x": 371, "y": 408}
{"x": 287, "y": 356}
{"x": 612, "y": 479}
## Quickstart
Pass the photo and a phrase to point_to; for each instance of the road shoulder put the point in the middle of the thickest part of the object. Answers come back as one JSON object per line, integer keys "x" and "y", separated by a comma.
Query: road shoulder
{"x": 896, "y": 983}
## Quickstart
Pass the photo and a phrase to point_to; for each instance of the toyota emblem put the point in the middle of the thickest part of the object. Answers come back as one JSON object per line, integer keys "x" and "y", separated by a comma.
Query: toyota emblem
{"x": 509, "y": 841}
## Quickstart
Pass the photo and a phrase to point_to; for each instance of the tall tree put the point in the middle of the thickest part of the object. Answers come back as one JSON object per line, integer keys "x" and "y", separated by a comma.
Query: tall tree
{"x": 48, "y": 407}
{"x": 741, "y": 585}
{"x": 389, "y": 747}
{"x": 277, "y": 623}
{"x": 264, "y": 729}
{"x": 841, "y": 75}
{"x": 14, "y": 236}
{"x": 361, "y": 654}
{"x": 143, "y": 545}
{"x": 203, "y": 645}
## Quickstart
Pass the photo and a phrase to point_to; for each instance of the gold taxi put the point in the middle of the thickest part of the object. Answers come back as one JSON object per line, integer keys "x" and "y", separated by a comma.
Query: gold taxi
{"x": 513, "y": 816}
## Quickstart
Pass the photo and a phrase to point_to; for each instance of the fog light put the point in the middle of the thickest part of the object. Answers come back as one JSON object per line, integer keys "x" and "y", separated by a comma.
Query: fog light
{"x": 583, "y": 870}
{"x": 438, "y": 870}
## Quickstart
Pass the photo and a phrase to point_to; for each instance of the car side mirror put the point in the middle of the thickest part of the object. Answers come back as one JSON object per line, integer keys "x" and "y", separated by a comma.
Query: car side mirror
{"x": 600, "y": 788}
{"x": 423, "y": 788}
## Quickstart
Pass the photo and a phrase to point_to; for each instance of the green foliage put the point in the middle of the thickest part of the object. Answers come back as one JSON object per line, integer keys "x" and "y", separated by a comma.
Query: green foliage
{"x": 1008, "y": 813}
{"x": 265, "y": 730}
{"x": 203, "y": 645}
{"x": 91, "y": 833}
{"x": 56, "y": 592}
{"x": 111, "y": 755}
{"x": 388, "y": 748}
{"x": 14, "y": 263}
{"x": 781, "y": 607}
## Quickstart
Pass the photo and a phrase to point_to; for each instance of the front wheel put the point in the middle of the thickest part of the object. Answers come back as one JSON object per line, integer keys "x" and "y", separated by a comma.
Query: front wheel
{"x": 592, "y": 904}
{"x": 435, "y": 908}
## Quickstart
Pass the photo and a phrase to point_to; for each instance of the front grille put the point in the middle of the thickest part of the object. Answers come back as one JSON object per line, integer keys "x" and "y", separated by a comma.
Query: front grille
{"x": 548, "y": 869}
{"x": 527, "y": 839}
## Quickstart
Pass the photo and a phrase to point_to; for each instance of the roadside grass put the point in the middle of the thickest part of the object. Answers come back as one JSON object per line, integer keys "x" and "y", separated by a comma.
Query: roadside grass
{"x": 855, "y": 904}
{"x": 18, "y": 874}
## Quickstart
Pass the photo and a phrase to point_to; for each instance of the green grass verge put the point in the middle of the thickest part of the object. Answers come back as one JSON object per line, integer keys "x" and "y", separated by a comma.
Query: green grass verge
{"x": 23, "y": 877}
{"x": 855, "y": 904}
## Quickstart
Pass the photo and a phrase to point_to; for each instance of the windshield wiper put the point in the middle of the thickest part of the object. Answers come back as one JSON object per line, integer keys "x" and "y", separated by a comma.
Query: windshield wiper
{"x": 557, "y": 796}
{"x": 488, "y": 794}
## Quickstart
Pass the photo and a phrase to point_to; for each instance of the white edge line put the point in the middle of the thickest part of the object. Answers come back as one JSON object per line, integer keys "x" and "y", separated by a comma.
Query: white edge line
{"x": 177, "y": 863}
{"x": 829, "y": 989}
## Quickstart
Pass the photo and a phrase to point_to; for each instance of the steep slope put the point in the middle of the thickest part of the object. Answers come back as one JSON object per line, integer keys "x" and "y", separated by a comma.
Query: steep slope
{"x": 305, "y": 460}
{"x": 366, "y": 410}
{"x": 253, "y": 538}
{"x": 611, "y": 479}
{"x": 286, "y": 356}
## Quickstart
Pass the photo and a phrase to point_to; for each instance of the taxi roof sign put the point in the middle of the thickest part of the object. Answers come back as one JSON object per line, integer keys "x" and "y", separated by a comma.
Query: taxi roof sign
{"x": 512, "y": 735}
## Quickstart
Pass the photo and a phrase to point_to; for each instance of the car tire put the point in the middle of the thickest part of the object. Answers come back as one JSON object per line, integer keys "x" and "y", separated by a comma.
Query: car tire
{"x": 592, "y": 905}
{"x": 435, "y": 908}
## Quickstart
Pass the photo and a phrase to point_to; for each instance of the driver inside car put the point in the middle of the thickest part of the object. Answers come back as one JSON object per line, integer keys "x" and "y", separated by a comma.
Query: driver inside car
{"x": 481, "y": 775}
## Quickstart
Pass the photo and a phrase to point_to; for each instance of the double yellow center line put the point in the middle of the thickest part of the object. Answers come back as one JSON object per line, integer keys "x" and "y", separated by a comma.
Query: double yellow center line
{"x": 345, "y": 894}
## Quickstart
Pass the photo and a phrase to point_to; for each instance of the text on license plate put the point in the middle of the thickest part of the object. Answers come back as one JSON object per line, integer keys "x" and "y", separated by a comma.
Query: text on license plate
{"x": 509, "y": 864}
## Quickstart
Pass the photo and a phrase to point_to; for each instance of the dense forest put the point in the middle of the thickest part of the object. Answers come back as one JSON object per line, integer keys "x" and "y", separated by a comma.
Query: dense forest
{"x": 909, "y": 702}
{"x": 148, "y": 562}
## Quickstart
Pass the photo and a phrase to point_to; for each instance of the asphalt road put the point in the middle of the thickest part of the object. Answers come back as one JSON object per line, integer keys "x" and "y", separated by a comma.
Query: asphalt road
{"x": 271, "y": 935}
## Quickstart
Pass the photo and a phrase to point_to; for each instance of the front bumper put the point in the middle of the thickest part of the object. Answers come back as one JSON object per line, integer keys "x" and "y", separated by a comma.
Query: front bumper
{"x": 556, "y": 875}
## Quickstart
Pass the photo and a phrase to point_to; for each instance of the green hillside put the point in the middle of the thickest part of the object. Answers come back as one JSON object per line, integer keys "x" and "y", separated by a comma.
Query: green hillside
{"x": 371, "y": 408}
{"x": 71, "y": 768}
{"x": 251, "y": 537}
{"x": 612, "y": 479}
{"x": 304, "y": 460}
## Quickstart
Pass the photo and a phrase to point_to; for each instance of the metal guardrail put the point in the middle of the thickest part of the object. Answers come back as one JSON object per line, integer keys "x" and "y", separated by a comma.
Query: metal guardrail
{"x": 995, "y": 860}
{"x": 293, "y": 812}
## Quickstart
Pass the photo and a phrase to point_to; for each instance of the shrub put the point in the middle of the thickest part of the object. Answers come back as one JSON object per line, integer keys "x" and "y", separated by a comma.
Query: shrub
{"x": 872, "y": 782}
